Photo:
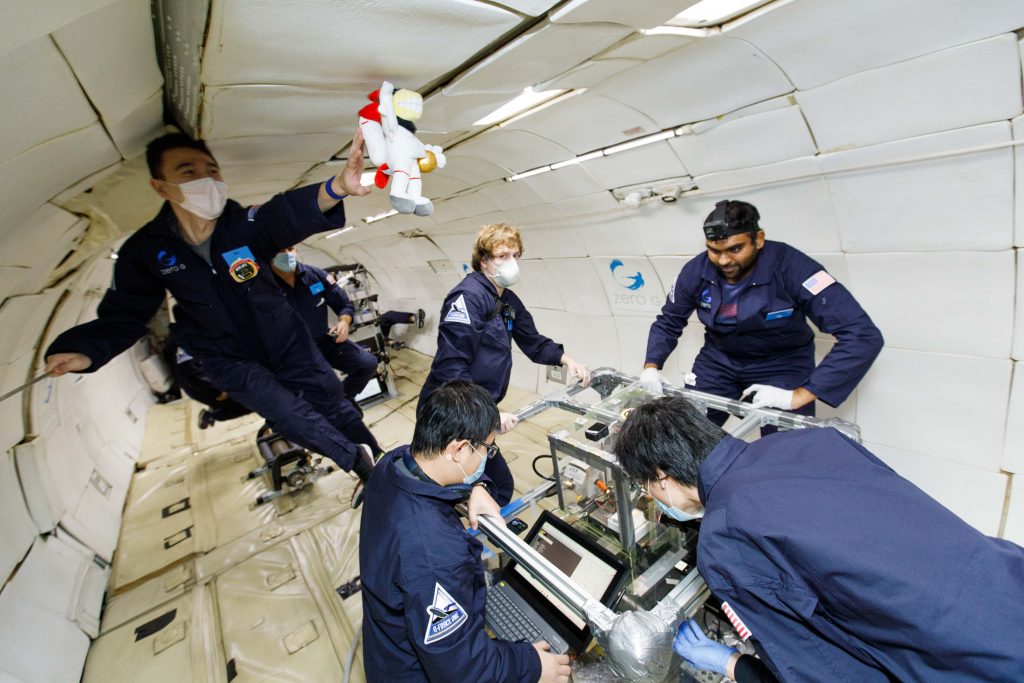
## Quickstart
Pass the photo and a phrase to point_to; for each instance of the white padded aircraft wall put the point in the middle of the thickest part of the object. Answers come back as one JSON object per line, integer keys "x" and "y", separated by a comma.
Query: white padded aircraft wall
{"x": 889, "y": 160}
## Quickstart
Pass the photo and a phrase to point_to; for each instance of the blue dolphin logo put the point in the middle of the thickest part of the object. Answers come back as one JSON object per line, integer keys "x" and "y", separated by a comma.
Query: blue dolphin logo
{"x": 166, "y": 259}
{"x": 635, "y": 281}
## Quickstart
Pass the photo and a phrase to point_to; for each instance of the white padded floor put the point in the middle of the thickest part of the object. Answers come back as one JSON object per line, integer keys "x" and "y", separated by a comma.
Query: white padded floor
{"x": 204, "y": 589}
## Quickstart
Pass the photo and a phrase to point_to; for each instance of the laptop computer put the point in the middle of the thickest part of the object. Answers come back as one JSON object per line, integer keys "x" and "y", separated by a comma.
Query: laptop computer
{"x": 520, "y": 609}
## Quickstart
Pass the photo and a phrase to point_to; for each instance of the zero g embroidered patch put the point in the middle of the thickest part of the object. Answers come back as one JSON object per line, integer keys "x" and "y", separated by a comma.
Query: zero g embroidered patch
{"x": 458, "y": 313}
{"x": 444, "y": 616}
{"x": 816, "y": 283}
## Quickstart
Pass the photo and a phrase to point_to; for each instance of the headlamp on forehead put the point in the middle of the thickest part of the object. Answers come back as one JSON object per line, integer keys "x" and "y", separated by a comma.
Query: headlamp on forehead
{"x": 718, "y": 225}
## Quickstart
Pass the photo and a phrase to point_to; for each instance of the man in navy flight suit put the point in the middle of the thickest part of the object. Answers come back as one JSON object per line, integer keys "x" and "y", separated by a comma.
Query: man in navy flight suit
{"x": 754, "y": 298}
{"x": 480, "y": 318}
{"x": 310, "y": 291}
{"x": 830, "y": 563}
{"x": 424, "y": 591}
{"x": 214, "y": 256}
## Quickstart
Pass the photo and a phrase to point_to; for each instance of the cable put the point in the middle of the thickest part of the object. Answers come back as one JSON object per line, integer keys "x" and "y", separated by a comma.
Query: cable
{"x": 534, "y": 466}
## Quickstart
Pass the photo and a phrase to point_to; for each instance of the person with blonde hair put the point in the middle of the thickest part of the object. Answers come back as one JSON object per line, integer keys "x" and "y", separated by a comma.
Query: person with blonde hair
{"x": 480, "y": 318}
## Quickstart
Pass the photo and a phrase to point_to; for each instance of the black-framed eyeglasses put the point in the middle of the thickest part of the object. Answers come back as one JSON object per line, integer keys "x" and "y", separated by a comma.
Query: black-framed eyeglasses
{"x": 490, "y": 448}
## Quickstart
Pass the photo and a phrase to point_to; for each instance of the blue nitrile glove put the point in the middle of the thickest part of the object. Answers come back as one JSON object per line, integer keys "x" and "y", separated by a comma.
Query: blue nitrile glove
{"x": 700, "y": 651}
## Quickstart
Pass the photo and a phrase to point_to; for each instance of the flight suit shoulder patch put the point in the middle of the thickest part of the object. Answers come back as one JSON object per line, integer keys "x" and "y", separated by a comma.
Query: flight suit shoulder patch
{"x": 445, "y": 616}
{"x": 458, "y": 312}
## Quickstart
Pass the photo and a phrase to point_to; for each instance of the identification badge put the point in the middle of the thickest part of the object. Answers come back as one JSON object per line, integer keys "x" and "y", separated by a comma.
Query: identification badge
{"x": 316, "y": 288}
{"x": 775, "y": 315}
{"x": 705, "y": 300}
{"x": 242, "y": 264}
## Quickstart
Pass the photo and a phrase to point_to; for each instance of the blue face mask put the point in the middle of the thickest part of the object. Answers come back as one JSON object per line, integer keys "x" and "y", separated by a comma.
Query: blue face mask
{"x": 285, "y": 261}
{"x": 675, "y": 513}
{"x": 470, "y": 478}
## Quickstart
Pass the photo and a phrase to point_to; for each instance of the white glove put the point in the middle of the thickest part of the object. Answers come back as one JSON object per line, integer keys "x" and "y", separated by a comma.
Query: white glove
{"x": 766, "y": 396}
{"x": 651, "y": 380}
{"x": 690, "y": 379}
{"x": 508, "y": 422}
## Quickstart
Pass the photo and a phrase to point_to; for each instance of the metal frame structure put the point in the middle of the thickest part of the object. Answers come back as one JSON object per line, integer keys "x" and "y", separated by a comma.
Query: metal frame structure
{"x": 605, "y": 380}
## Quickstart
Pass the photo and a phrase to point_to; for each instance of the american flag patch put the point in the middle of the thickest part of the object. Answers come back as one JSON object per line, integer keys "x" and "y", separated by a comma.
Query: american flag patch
{"x": 816, "y": 283}
{"x": 736, "y": 622}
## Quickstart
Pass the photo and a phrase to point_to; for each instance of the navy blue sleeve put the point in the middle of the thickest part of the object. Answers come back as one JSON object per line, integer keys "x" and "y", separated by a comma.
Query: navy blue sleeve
{"x": 458, "y": 335}
{"x": 444, "y": 617}
{"x": 834, "y": 310}
{"x": 122, "y": 316}
{"x": 290, "y": 217}
{"x": 536, "y": 346}
{"x": 679, "y": 305}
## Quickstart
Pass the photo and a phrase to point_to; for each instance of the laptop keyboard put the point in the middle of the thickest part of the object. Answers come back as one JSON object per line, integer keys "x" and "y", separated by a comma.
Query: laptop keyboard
{"x": 506, "y": 616}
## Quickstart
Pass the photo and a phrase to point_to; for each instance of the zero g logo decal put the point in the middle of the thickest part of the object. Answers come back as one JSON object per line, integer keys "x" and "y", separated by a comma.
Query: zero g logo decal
{"x": 169, "y": 261}
{"x": 630, "y": 282}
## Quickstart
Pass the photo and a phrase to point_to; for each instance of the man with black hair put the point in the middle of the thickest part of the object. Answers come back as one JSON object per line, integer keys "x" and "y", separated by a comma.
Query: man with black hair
{"x": 424, "y": 591}
{"x": 754, "y": 298}
{"x": 830, "y": 563}
{"x": 214, "y": 256}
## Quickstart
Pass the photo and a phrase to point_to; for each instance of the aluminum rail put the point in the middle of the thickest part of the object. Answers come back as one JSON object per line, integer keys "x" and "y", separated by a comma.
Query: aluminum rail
{"x": 606, "y": 379}
{"x": 564, "y": 588}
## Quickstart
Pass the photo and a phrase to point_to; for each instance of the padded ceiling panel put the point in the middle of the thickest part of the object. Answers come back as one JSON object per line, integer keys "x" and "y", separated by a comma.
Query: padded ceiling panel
{"x": 699, "y": 81}
{"x": 891, "y": 287}
{"x": 132, "y": 133}
{"x": 52, "y": 106}
{"x": 471, "y": 170}
{"x": 635, "y": 14}
{"x": 515, "y": 149}
{"x": 570, "y": 181}
{"x": 52, "y": 166}
{"x": 510, "y": 195}
{"x": 579, "y": 285}
{"x": 27, "y": 20}
{"x": 18, "y": 529}
{"x": 103, "y": 43}
{"x": 760, "y": 138}
{"x": 590, "y": 73}
{"x": 909, "y": 207}
{"x": 848, "y": 37}
{"x": 255, "y": 41}
{"x": 243, "y": 110}
{"x": 639, "y": 46}
{"x": 596, "y": 202}
{"x": 612, "y": 234}
{"x": 551, "y": 242}
{"x": 243, "y": 174}
{"x": 640, "y": 165}
{"x": 531, "y": 7}
{"x": 537, "y": 287}
{"x": 21, "y": 246}
{"x": 472, "y": 204}
{"x": 536, "y": 56}
{"x": 278, "y": 149}
{"x": 607, "y": 122}
{"x": 954, "y": 88}
{"x": 443, "y": 113}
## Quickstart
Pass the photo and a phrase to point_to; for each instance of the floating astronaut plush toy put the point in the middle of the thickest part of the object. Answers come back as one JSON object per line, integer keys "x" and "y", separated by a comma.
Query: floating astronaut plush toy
{"x": 390, "y": 133}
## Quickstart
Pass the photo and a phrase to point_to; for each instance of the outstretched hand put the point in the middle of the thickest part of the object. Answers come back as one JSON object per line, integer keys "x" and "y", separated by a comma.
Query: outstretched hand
{"x": 350, "y": 178}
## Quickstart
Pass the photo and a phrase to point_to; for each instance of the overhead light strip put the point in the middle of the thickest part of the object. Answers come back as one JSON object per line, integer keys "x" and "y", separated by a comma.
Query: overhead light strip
{"x": 340, "y": 232}
{"x": 603, "y": 152}
{"x": 380, "y": 216}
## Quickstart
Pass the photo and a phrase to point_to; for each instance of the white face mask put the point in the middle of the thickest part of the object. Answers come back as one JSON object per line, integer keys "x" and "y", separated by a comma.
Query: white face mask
{"x": 506, "y": 273}
{"x": 205, "y": 197}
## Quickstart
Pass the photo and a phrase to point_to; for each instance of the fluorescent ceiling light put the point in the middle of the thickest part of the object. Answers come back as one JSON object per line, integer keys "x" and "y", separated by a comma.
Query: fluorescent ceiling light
{"x": 379, "y": 216}
{"x": 640, "y": 142}
{"x": 533, "y": 171}
{"x": 675, "y": 31}
{"x": 529, "y": 99}
{"x": 338, "y": 232}
{"x": 714, "y": 12}
{"x": 543, "y": 105}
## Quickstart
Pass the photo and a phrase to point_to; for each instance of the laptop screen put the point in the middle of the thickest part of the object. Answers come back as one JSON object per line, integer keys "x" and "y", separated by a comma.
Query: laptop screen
{"x": 591, "y": 567}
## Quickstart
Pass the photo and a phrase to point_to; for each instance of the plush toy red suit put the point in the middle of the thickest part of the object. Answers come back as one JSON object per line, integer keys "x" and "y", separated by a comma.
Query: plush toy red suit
{"x": 389, "y": 130}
